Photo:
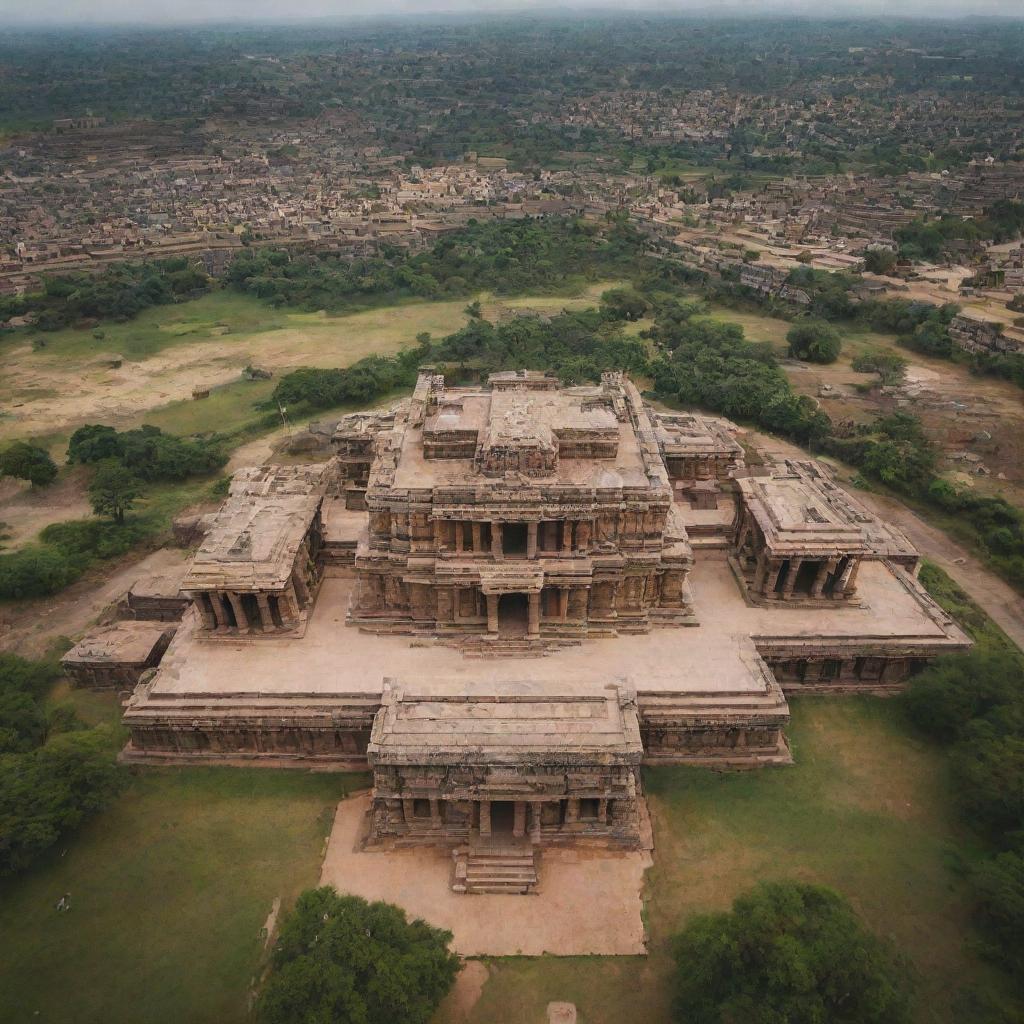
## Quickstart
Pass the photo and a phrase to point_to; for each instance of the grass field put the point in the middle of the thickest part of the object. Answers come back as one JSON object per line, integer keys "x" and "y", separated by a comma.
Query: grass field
{"x": 864, "y": 810}
{"x": 207, "y": 342}
{"x": 170, "y": 889}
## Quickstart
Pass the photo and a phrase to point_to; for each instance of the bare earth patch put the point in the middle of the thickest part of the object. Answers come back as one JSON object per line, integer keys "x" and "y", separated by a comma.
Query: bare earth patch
{"x": 588, "y": 900}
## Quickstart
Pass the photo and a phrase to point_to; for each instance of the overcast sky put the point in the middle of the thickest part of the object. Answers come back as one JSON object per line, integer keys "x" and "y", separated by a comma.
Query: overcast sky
{"x": 197, "y": 11}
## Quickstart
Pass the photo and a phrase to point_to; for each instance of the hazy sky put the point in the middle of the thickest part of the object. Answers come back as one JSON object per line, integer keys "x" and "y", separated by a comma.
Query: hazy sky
{"x": 193, "y": 11}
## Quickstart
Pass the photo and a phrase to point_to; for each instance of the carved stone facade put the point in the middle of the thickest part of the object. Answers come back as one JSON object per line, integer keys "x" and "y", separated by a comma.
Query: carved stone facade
{"x": 521, "y": 509}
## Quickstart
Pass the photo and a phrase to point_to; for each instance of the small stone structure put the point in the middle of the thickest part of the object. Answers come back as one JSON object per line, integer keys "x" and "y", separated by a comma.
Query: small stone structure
{"x": 258, "y": 568}
{"x": 453, "y": 760}
{"x": 115, "y": 657}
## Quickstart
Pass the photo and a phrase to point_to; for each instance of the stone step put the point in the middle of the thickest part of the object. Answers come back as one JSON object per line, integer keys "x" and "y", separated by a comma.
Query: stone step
{"x": 481, "y": 867}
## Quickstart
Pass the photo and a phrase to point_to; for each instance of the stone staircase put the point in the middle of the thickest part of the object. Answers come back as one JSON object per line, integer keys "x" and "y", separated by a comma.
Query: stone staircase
{"x": 504, "y": 867}
{"x": 513, "y": 647}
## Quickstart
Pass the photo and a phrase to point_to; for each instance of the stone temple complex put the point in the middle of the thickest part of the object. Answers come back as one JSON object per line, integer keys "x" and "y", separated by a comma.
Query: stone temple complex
{"x": 504, "y": 599}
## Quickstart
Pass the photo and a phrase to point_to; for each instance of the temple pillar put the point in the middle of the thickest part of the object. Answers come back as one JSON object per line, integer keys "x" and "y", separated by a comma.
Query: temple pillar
{"x": 236, "y": 606}
{"x": 435, "y": 813}
{"x": 219, "y": 611}
{"x": 828, "y": 565}
{"x": 602, "y": 810}
{"x": 572, "y": 811}
{"x": 496, "y": 549}
{"x": 266, "y": 617}
{"x": 408, "y": 813}
{"x": 566, "y": 537}
{"x": 459, "y": 531}
{"x": 492, "y": 613}
{"x": 485, "y": 817}
{"x": 843, "y": 584}
{"x": 534, "y": 618}
{"x": 519, "y": 823}
{"x": 438, "y": 535}
{"x": 531, "y": 539}
{"x": 851, "y": 583}
{"x": 476, "y": 539}
{"x": 205, "y": 614}
{"x": 794, "y": 568}
{"x": 563, "y": 603}
{"x": 536, "y": 810}
{"x": 774, "y": 571}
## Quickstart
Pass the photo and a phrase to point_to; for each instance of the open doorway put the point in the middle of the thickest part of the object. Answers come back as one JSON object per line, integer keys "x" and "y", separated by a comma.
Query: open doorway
{"x": 513, "y": 615}
{"x": 503, "y": 817}
{"x": 513, "y": 540}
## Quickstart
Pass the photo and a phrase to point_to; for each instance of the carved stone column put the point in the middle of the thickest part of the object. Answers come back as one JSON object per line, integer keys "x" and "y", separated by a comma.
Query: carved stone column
{"x": 266, "y": 617}
{"x": 827, "y": 566}
{"x": 459, "y": 532}
{"x": 519, "y": 823}
{"x": 563, "y": 603}
{"x": 531, "y": 540}
{"x": 492, "y": 613}
{"x": 476, "y": 539}
{"x": 572, "y": 811}
{"x": 435, "y": 813}
{"x": 485, "y": 817}
{"x": 794, "y": 569}
{"x": 236, "y": 606}
{"x": 566, "y": 537}
{"x": 219, "y": 610}
{"x": 534, "y": 615}
{"x": 496, "y": 549}
{"x": 208, "y": 618}
{"x": 536, "y": 810}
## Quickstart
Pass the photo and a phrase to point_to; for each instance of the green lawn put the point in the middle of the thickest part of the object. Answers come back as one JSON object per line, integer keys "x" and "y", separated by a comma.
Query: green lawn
{"x": 864, "y": 810}
{"x": 169, "y": 891}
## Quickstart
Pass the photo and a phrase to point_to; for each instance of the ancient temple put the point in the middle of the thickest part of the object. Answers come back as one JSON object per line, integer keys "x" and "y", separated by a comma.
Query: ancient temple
{"x": 505, "y": 598}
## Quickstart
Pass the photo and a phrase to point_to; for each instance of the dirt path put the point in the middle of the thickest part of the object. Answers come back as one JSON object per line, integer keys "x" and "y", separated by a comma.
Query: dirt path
{"x": 1002, "y": 603}
{"x": 25, "y": 510}
{"x": 29, "y": 627}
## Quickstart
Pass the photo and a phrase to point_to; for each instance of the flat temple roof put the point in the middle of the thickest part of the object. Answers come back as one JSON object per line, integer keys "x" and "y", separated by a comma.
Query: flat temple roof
{"x": 450, "y": 720}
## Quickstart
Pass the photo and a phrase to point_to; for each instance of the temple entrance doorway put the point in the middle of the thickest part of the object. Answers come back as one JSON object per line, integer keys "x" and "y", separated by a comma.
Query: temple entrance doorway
{"x": 503, "y": 817}
{"x": 513, "y": 540}
{"x": 513, "y": 615}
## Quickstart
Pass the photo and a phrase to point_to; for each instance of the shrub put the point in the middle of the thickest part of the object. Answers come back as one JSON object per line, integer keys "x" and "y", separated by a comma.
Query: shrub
{"x": 35, "y": 571}
{"x": 48, "y": 792}
{"x": 787, "y": 951}
{"x": 113, "y": 490}
{"x": 815, "y": 341}
{"x": 341, "y": 959}
{"x": 26, "y": 461}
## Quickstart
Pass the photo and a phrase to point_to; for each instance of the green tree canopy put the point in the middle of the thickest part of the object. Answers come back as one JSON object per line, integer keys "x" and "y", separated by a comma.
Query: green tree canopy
{"x": 28, "y": 462}
{"x": 344, "y": 960}
{"x": 113, "y": 490}
{"x": 787, "y": 953}
{"x": 814, "y": 340}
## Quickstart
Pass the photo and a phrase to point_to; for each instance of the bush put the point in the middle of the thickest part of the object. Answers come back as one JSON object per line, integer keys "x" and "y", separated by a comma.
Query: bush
{"x": 35, "y": 571}
{"x": 787, "y": 952}
{"x": 147, "y": 452}
{"x": 814, "y": 341}
{"x": 51, "y": 790}
{"x": 26, "y": 461}
{"x": 891, "y": 367}
{"x": 342, "y": 959}
{"x": 23, "y": 719}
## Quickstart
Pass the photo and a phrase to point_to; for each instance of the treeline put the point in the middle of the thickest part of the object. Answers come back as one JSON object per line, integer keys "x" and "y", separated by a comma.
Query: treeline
{"x": 931, "y": 240}
{"x": 501, "y": 256}
{"x": 120, "y": 292}
{"x": 147, "y": 452}
{"x": 973, "y": 704}
{"x": 54, "y": 772}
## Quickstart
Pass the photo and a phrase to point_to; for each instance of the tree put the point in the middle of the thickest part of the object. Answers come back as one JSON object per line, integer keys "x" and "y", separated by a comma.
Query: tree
{"x": 113, "y": 490}
{"x": 473, "y": 310}
{"x": 787, "y": 952}
{"x": 879, "y": 260}
{"x": 815, "y": 341}
{"x": 623, "y": 304}
{"x": 28, "y": 462}
{"x": 93, "y": 443}
{"x": 342, "y": 959}
{"x": 51, "y": 790}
